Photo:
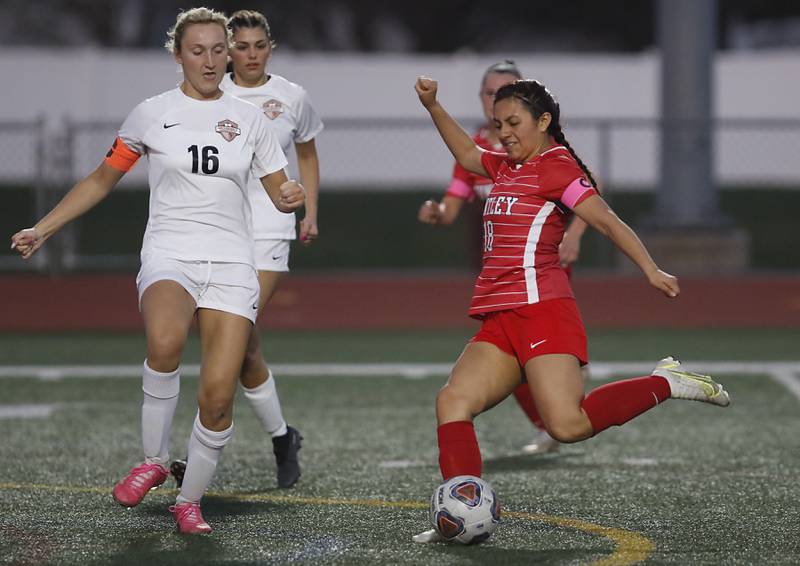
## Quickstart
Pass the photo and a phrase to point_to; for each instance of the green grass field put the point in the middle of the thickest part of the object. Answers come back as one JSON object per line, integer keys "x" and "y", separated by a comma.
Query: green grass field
{"x": 684, "y": 484}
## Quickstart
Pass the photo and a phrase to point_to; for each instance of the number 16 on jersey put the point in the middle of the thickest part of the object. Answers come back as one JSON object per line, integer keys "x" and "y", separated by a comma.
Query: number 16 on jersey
{"x": 210, "y": 161}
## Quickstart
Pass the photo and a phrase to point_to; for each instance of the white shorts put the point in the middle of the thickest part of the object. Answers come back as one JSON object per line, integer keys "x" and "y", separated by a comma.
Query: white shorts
{"x": 227, "y": 287}
{"x": 272, "y": 255}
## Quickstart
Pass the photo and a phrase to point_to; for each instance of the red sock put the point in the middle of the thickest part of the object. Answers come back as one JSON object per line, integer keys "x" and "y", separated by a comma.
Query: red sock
{"x": 525, "y": 401}
{"x": 459, "y": 454}
{"x": 618, "y": 402}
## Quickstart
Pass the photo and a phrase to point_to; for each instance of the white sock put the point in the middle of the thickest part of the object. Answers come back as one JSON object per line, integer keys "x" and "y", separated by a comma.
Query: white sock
{"x": 205, "y": 448}
{"x": 267, "y": 406}
{"x": 158, "y": 407}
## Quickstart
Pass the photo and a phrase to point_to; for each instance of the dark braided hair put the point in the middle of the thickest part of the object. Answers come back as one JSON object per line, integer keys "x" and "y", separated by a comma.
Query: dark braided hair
{"x": 538, "y": 100}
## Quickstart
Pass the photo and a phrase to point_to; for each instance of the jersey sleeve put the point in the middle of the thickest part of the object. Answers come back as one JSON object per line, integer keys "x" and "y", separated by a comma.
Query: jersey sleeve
{"x": 129, "y": 145}
{"x": 462, "y": 184}
{"x": 268, "y": 156}
{"x": 564, "y": 181}
{"x": 309, "y": 124}
{"x": 491, "y": 161}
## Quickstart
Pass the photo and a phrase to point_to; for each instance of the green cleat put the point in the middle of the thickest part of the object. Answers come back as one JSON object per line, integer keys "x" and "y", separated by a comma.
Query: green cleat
{"x": 689, "y": 385}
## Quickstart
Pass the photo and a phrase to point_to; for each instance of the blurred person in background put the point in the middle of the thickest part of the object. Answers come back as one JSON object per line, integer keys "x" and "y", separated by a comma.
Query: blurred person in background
{"x": 294, "y": 121}
{"x": 197, "y": 253}
{"x": 466, "y": 187}
{"x": 522, "y": 296}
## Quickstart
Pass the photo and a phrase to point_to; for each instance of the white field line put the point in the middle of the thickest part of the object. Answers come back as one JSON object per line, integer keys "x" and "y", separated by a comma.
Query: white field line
{"x": 786, "y": 373}
{"x": 790, "y": 380}
{"x": 598, "y": 370}
{"x": 55, "y": 372}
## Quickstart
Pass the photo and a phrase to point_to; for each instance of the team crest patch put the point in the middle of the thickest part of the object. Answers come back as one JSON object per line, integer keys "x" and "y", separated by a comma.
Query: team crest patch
{"x": 228, "y": 129}
{"x": 272, "y": 108}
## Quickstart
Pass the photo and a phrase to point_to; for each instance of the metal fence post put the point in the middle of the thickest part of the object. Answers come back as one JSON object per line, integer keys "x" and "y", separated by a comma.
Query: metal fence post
{"x": 41, "y": 260}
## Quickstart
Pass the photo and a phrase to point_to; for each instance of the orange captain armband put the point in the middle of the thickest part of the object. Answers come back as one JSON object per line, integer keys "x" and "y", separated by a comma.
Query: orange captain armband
{"x": 121, "y": 157}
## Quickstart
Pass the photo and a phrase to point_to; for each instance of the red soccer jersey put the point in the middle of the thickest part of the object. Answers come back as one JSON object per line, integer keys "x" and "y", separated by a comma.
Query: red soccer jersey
{"x": 524, "y": 219}
{"x": 467, "y": 185}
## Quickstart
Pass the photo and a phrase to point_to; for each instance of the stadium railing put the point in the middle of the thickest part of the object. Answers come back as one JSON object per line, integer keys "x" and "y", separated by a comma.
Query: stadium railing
{"x": 382, "y": 155}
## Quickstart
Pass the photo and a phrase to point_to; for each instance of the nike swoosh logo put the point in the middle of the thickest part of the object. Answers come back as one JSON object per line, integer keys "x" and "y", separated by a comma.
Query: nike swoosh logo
{"x": 277, "y": 257}
{"x": 167, "y": 126}
{"x": 537, "y": 343}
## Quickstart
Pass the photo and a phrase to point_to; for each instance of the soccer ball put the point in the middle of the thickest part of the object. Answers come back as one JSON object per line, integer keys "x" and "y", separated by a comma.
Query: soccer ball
{"x": 465, "y": 509}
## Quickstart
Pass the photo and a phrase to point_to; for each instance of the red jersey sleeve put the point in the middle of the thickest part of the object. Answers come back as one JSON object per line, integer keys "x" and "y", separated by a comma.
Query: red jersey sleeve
{"x": 563, "y": 180}
{"x": 492, "y": 161}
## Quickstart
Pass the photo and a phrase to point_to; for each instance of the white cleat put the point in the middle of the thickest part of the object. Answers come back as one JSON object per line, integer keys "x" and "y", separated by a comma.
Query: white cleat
{"x": 428, "y": 536}
{"x": 688, "y": 385}
{"x": 542, "y": 443}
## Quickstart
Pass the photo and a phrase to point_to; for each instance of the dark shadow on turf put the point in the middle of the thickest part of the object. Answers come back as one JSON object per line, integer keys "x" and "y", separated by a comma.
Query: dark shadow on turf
{"x": 220, "y": 507}
{"x": 490, "y": 554}
{"x": 217, "y": 507}
{"x": 522, "y": 462}
{"x": 148, "y": 549}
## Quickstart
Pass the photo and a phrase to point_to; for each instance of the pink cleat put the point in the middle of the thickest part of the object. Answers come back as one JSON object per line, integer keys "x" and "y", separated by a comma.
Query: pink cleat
{"x": 131, "y": 489}
{"x": 189, "y": 518}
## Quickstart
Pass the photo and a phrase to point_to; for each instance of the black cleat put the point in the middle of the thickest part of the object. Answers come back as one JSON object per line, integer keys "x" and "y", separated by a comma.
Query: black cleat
{"x": 285, "y": 448}
{"x": 178, "y": 470}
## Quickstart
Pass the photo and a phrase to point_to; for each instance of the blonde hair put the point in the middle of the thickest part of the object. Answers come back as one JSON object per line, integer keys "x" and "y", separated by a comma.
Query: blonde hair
{"x": 194, "y": 16}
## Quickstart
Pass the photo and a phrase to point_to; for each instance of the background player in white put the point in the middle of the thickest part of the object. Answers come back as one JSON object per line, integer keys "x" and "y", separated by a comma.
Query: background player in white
{"x": 466, "y": 186}
{"x": 294, "y": 121}
{"x": 197, "y": 252}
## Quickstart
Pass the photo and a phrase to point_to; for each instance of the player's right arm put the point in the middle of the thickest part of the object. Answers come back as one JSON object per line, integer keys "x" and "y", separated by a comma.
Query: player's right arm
{"x": 81, "y": 198}
{"x": 286, "y": 194}
{"x": 463, "y": 147}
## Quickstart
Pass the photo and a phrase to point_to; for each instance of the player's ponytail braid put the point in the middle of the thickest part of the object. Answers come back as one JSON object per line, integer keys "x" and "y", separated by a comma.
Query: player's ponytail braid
{"x": 558, "y": 135}
{"x": 535, "y": 96}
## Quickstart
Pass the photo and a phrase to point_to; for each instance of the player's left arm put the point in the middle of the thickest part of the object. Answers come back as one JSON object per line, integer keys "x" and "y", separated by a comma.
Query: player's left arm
{"x": 308, "y": 166}
{"x": 570, "y": 249}
{"x": 287, "y": 195}
{"x": 596, "y": 213}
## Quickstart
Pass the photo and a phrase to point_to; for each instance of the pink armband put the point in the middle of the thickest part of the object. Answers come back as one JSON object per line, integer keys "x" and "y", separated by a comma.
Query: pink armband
{"x": 576, "y": 192}
{"x": 460, "y": 189}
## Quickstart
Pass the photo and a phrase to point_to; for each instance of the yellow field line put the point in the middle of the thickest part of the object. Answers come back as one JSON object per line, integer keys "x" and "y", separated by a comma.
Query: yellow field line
{"x": 629, "y": 547}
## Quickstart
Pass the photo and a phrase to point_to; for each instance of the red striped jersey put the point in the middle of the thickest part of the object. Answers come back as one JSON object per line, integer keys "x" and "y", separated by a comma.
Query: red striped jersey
{"x": 524, "y": 219}
{"x": 468, "y": 185}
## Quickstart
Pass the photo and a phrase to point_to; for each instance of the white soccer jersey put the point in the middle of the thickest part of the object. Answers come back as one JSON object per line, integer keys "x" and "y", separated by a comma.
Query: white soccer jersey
{"x": 201, "y": 155}
{"x": 293, "y": 119}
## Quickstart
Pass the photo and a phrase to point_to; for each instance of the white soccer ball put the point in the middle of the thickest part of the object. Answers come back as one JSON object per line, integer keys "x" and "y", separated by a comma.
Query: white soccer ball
{"x": 465, "y": 509}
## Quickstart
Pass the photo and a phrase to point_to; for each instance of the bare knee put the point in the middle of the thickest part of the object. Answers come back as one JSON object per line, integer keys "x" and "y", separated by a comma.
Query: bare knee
{"x": 216, "y": 410}
{"x": 254, "y": 368}
{"x": 453, "y": 403}
{"x": 569, "y": 428}
{"x": 164, "y": 350}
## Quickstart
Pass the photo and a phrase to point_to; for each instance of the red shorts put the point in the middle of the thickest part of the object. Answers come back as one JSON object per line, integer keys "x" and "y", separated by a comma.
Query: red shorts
{"x": 548, "y": 327}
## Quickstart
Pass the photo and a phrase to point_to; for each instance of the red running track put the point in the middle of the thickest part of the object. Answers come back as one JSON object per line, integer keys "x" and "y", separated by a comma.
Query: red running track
{"x": 371, "y": 301}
